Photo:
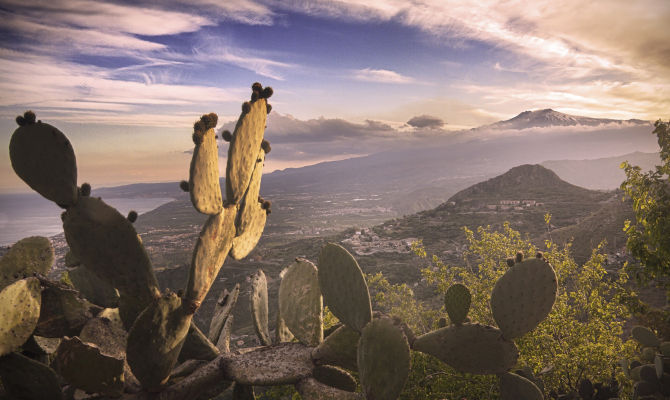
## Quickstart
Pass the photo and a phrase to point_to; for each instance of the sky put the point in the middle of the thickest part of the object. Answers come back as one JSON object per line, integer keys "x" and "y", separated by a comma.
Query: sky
{"x": 126, "y": 80}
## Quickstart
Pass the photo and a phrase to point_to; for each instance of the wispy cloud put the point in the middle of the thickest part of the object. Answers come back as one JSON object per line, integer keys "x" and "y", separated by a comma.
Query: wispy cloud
{"x": 381, "y": 76}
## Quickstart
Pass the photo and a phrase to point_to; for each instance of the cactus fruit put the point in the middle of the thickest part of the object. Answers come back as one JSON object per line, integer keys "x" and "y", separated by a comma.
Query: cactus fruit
{"x": 343, "y": 287}
{"x": 92, "y": 288}
{"x": 74, "y": 361}
{"x": 132, "y": 216}
{"x": 285, "y": 363}
{"x": 107, "y": 243}
{"x": 300, "y": 302}
{"x": 311, "y": 389}
{"x": 457, "y": 302}
{"x": 184, "y": 186}
{"x": 471, "y": 348}
{"x": 19, "y": 313}
{"x": 85, "y": 190}
{"x": 515, "y": 387}
{"x": 383, "y": 359}
{"x": 645, "y": 336}
{"x": 25, "y": 378}
{"x": 335, "y": 377}
{"x": 339, "y": 348}
{"x": 243, "y": 150}
{"x": 259, "y": 306}
{"x": 203, "y": 182}
{"x": 523, "y": 297}
{"x": 251, "y": 219}
{"x": 43, "y": 158}
{"x": 210, "y": 251}
{"x": 155, "y": 340}
{"x": 25, "y": 258}
{"x": 63, "y": 312}
{"x": 222, "y": 311}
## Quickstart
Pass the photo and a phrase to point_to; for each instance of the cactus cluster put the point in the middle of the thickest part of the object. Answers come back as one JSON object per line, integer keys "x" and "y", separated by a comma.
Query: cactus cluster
{"x": 651, "y": 371}
{"x": 143, "y": 341}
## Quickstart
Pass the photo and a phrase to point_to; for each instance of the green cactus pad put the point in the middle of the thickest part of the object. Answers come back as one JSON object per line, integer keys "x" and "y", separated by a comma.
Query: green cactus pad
{"x": 197, "y": 346}
{"x": 285, "y": 363}
{"x": 223, "y": 343}
{"x": 107, "y": 244}
{"x": 41, "y": 345}
{"x": 251, "y": 219}
{"x": 71, "y": 260}
{"x": 383, "y": 359}
{"x": 343, "y": 287}
{"x": 300, "y": 303}
{"x": 25, "y": 378}
{"x": 26, "y": 257}
{"x": 648, "y": 354}
{"x": 222, "y": 310}
{"x": 93, "y": 288}
{"x": 515, "y": 387}
{"x": 523, "y": 297}
{"x": 339, "y": 348}
{"x": 210, "y": 252}
{"x": 645, "y": 336}
{"x": 155, "y": 340}
{"x": 204, "y": 187}
{"x": 259, "y": 306}
{"x": 311, "y": 389}
{"x": 282, "y": 333}
{"x": 86, "y": 367}
{"x": 243, "y": 150}
{"x": 108, "y": 335}
{"x": 457, "y": 302}
{"x": 19, "y": 313}
{"x": 43, "y": 157}
{"x": 335, "y": 377}
{"x": 63, "y": 312}
{"x": 658, "y": 365}
{"x": 470, "y": 348}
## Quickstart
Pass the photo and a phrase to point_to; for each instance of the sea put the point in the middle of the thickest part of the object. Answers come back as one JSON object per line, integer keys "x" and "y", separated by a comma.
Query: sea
{"x": 29, "y": 214}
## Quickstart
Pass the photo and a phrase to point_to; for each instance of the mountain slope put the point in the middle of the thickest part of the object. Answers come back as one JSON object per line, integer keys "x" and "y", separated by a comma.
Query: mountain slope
{"x": 549, "y": 117}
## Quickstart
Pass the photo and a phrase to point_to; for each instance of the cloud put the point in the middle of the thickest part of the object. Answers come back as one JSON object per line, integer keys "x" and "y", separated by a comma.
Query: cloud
{"x": 381, "y": 76}
{"x": 426, "y": 121}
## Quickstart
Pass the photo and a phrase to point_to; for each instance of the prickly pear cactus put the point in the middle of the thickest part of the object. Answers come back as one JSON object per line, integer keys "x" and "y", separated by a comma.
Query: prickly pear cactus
{"x": 204, "y": 187}
{"x": 32, "y": 255}
{"x": 523, "y": 297}
{"x": 457, "y": 303}
{"x": 19, "y": 312}
{"x": 300, "y": 303}
{"x": 25, "y": 378}
{"x": 514, "y": 387}
{"x": 645, "y": 336}
{"x": 259, "y": 306}
{"x": 44, "y": 158}
{"x": 383, "y": 359}
{"x": 343, "y": 286}
{"x": 339, "y": 348}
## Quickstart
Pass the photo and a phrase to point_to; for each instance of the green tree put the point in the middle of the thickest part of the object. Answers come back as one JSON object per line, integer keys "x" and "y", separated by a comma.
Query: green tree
{"x": 581, "y": 338}
{"x": 649, "y": 234}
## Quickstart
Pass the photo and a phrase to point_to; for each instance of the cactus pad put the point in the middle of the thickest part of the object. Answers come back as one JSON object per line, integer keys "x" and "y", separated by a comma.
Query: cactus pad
{"x": 282, "y": 333}
{"x": 19, "y": 313}
{"x": 210, "y": 252}
{"x": 335, "y": 377}
{"x": 85, "y": 366}
{"x": 155, "y": 340}
{"x": 343, "y": 287}
{"x": 63, "y": 312}
{"x": 107, "y": 243}
{"x": 243, "y": 150}
{"x": 25, "y": 258}
{"x": 311, "y": 389}
{"x": 43, "y": 157}
{"x": 108, "y": 335}
{"x": 339, "y": 348}
{"x": 514, "y": 387}
{"x": 251, "y": 219}
{"x": 645, "y": 336}
{"x": 300, "y": 303}
{"x": 470, "y": 348}
{"x": 259, "y": 306}
{"x": 383, "y": 359}
{"x": 222, "y": 310}
{"x": 25, "y": 378}
{"x": 93, "y": 288}
{"x": 523, "y": 297}
{"x": 286, "y": 363}
{"x": 197, "y": 346}
{"x": 204, "y": 187}
{"x": 457, "y": 302}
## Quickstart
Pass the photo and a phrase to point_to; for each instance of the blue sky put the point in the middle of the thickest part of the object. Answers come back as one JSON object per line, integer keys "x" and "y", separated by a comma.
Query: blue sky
{"x": 126, "y": 80}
